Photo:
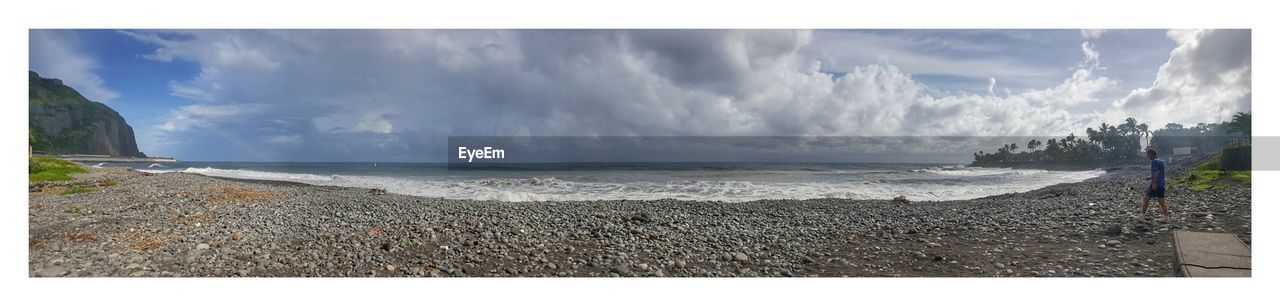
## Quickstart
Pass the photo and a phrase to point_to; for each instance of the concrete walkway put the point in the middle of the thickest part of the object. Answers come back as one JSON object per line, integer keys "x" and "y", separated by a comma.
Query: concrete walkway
{"x": 1202, "y": 254}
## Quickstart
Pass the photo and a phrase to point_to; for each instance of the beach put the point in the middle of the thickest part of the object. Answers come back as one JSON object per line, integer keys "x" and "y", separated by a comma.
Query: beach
{"x": 182, "y": 224}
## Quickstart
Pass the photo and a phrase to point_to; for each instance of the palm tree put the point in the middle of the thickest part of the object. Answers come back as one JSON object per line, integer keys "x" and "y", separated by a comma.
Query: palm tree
{"x": 1068, "y": 145}
{"x": 1129, "y": 127}
{"x": 1240, "y": 122}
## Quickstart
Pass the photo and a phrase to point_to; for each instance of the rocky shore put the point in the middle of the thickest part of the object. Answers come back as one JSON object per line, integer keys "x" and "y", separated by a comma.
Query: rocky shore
{"x": 177, "y": 224}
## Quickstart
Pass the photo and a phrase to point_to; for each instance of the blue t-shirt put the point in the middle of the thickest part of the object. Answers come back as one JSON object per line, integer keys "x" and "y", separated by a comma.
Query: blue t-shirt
{"x": 1157, "y": 165}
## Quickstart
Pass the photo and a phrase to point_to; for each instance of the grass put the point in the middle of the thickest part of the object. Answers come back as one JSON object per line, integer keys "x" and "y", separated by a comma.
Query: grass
{"x": 1243, "y": 177}
{"x": 75, "y": 190}
{"x": 1201, "y": 180}
{"x": 1209, "y": 175}
{"x": 1211, "y": 164}
{"x": 43, "y": 169}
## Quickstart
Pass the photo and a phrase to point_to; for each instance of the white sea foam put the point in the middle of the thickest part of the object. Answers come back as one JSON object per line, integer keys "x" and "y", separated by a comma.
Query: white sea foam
{"x": 961, "y": 170}
{"x": 264, "y": 175}
{"x": 927, "y": 184}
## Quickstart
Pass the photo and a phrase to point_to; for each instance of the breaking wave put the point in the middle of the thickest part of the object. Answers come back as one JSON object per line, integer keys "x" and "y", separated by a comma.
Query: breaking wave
{"x": 935, "y": 183}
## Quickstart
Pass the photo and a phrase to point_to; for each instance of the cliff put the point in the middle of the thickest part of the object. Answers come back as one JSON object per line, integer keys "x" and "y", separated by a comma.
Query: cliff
{"x": 64, "y": 122}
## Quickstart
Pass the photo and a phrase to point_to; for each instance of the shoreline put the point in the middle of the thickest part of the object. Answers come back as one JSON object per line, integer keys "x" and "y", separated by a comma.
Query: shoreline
{"x": 1107, "y": 172}
{"x": 87, "y": 158}
{"x": 182, "y": 224}
{"x": 1106, "y": 175}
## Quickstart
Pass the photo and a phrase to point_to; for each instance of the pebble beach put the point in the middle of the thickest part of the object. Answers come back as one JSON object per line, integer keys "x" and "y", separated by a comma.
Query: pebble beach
{"x": 136, "y": 224}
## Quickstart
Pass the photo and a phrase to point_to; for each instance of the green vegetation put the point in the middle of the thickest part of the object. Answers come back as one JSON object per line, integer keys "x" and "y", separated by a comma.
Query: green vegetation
{"x": 41, "y": 169}
{"x": 1201, "y": 180}
{"x": 1243, "y": 177}
{"x": 1209, "y": 175}
{"x": 1120, "y": 143}
{"x": 1107, "y": 143}
{"x": 1242, "y": 123}
{"x": 47, "y": 91}
{"x": 1214, "y": 164}
{"x": 1205, "y": 138}
{"x": 75, "y": 190}
{"x": 60, "y": 120}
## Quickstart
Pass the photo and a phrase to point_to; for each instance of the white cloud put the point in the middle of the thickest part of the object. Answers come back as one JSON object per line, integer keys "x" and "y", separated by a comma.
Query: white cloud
{"x": 1091, "y": 57}
{"x": 56, "y": 54}
{"x": 1030, "y": 113}
{"x": 207, "y": 116}
{"x": 1208, "y": 78}
{"x": 842, "y": 51}
{"x": 362, "y": 94}
{"x": 1092, "y": 33}
{"x": 1081, "y": 88}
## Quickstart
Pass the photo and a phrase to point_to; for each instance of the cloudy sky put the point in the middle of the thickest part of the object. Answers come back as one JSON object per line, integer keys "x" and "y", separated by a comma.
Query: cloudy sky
{"x": 396, "y": 95}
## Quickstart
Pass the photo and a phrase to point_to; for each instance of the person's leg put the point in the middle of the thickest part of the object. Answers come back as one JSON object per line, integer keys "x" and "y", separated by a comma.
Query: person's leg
{"x": 1145, "y": 201}
{"x": 1164, "y": 209}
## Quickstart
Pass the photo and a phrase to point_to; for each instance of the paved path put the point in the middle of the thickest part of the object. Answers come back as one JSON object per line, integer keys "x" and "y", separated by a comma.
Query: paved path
{"x": 1202, "y": 254}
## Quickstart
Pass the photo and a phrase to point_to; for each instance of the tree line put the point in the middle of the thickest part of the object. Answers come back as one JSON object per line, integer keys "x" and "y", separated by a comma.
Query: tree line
{"x": 1120, "y": 142}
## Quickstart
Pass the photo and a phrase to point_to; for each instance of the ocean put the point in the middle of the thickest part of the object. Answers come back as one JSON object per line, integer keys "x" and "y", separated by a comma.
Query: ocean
{"x": 732, "y": 182}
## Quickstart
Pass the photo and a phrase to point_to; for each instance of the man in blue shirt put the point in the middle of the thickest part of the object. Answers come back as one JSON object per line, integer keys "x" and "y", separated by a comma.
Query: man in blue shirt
{"x": 1156, "y": 188}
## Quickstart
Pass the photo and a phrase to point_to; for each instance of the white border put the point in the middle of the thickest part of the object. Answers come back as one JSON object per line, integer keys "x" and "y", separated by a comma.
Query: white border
{"x": 19, "y": 16}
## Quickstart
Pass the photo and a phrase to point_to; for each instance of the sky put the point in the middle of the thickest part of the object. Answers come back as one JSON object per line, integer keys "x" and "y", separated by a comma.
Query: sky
{"x": 397, "y": 95}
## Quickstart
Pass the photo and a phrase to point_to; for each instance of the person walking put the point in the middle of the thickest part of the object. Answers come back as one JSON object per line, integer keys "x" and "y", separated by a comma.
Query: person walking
{"x": 1155, "y": 189}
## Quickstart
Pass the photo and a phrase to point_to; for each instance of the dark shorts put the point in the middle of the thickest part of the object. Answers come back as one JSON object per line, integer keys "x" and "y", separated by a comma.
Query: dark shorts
{"x": 1155, "y": 193}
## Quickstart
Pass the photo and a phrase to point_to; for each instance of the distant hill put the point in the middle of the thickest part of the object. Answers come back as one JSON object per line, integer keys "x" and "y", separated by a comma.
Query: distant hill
{"x": 64, "y": 122}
